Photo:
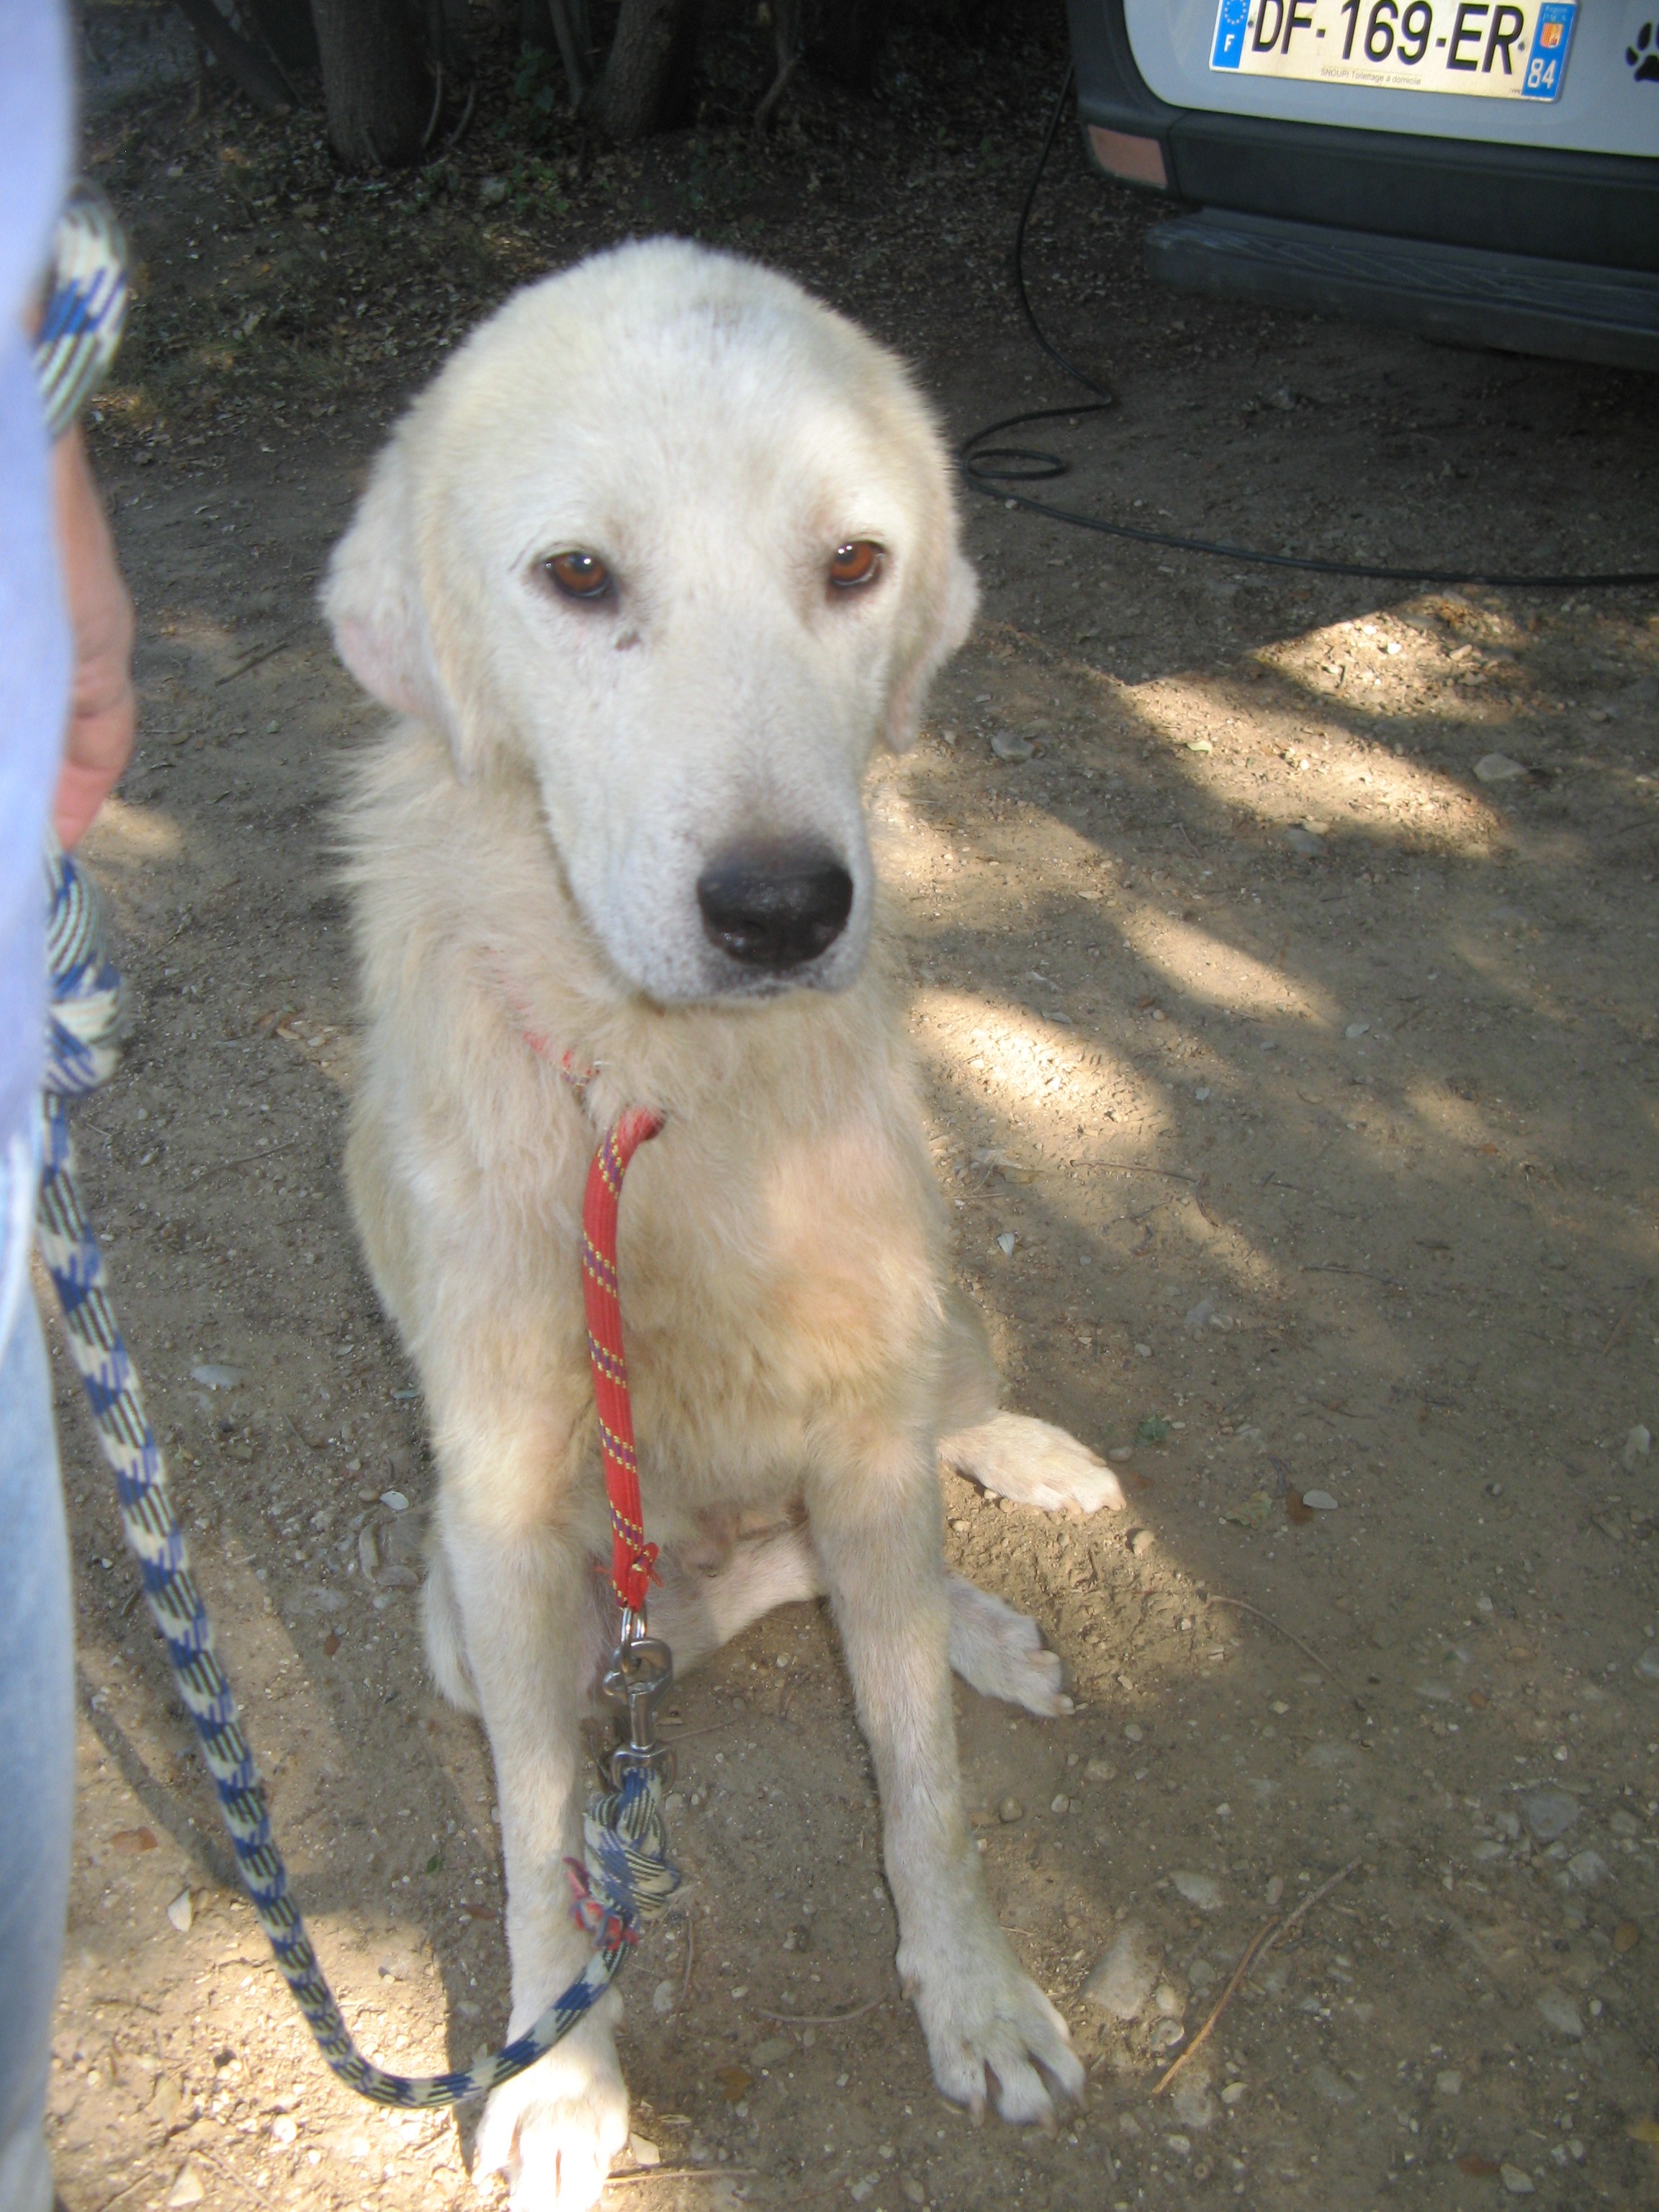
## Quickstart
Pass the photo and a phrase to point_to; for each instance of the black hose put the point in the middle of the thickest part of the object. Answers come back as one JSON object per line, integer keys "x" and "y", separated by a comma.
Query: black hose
{"x": 992, "y": 469}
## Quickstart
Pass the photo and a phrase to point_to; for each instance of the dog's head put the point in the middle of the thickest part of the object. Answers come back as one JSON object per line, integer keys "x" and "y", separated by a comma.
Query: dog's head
{"x": 684, "y": 542}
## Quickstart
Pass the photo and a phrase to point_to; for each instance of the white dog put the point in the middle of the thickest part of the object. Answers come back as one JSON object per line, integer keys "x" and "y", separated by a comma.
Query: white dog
{"x": 662, "y": 555}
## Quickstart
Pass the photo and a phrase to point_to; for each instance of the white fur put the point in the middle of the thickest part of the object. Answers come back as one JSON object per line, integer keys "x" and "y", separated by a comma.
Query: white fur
{"x": 526, "y": 845}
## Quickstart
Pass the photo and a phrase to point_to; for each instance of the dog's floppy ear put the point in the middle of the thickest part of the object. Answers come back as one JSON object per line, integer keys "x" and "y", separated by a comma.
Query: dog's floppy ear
{"x": 372, "y": 600}
{"x": 944, "y": 626}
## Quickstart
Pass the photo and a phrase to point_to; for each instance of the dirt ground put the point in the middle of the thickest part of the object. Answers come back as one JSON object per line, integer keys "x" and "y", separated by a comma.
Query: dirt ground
{"x": 1296, "y": 1091}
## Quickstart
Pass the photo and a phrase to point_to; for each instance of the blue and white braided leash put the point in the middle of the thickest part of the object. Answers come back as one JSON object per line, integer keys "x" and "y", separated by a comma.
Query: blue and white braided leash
{"x": 629, "y": 1877}
{"x": 81, "y": 324}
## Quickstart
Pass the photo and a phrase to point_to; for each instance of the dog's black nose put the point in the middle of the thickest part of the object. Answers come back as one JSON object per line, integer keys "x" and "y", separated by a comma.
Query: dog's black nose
{"x": 775, "y": 906}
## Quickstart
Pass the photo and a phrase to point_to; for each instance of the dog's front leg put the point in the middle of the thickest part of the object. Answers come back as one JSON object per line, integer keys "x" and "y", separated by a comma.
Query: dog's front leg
{"x": 529, "y": 1625}
{"x": 876, "y": 1523}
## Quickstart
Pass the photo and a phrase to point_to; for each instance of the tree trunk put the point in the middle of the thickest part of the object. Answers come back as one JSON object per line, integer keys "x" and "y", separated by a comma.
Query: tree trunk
{"x": 374, "y": 88}
{"x": 246, "y": 68}
{"x": 287, "y": 28}
{"x": 647, "y": 84}
{"x": 557, "y": 24}
{"x": 844, "y": 39}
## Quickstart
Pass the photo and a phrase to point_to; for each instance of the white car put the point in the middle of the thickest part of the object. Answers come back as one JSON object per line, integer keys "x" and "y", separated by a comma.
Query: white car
{"x": 1483, "y": 170}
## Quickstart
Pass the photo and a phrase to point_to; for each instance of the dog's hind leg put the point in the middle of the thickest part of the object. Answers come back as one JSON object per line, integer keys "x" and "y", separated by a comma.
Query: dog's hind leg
{"x": 1034, "y": 1463}
{"x": 995, "y": 1650}
{"x": 697, "y": 1609}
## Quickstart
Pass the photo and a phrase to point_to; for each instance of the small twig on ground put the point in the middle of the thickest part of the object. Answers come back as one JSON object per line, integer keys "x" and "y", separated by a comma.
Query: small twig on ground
{"x": 255, "y": 659}
{"x": 1256, "y": 1613}
{"x": 819, "y": 2019}
{"x": 1128, "y": 1167}
{"x": 1221, "y": 2005}
{"x": 1336, "y": 1267}
{"x": 678, "y": 2172}
{"x": 251, "y": 1159}
{"x": 225, "y": 2173}
{"x": 691, "y": 1958}
{"x": 1307, "y": 1904}
{"x": 126, "y": 2190}
{"x": 1271, "y": 1932}
{"x": 1198, "y": 1200}
{"x": 1624, "y": 1320}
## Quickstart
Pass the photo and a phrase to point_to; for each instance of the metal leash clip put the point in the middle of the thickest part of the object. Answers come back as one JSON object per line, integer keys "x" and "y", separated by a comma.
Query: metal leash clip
{"x": 640, "y": 1675}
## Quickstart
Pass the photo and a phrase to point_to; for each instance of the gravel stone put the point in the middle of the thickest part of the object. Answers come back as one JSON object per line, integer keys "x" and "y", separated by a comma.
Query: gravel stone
{"x": 1124, "y": 1975}
{"x": 1201, "y": 1890}
{"x": 1557, "y": 2009}
{"x": 1548, "y": 1813}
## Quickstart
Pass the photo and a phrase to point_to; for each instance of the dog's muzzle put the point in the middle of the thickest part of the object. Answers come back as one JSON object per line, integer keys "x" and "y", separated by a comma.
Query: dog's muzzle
{"x": 775, "y": 906}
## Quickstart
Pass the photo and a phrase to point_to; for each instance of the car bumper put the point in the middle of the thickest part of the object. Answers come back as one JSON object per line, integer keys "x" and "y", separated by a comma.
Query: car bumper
{"x": 1522, "y": 227}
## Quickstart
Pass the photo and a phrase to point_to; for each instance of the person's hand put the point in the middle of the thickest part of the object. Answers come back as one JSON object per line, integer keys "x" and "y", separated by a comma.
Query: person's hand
{"x": 103, "y": 712}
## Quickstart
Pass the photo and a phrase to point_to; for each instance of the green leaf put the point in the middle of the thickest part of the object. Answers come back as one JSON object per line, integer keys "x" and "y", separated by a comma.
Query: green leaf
{"x": 1153, "y": 1430}
{"x": 434, "y": 1863}
{"x": 1253, "y": 1513}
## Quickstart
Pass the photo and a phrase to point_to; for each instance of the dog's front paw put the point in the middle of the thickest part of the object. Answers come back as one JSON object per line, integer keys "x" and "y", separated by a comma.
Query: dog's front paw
{"x": 1001, "y": 1654}
{"x": 986, "y": 2020}
{"x": 1034, "y": 1463}
{"x": 553, "y": 2131}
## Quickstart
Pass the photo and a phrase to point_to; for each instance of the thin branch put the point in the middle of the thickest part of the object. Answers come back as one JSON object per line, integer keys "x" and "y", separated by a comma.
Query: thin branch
{"x": 1121, "y": 1167}
{"x": 437, "y": 106}
{"x": 1256, "y": 1613}
{"x": 246, "y": 68}
{"x": 779, "y": 86}
{"x": 250, "y": 1159}
{"x": 459, "y": 131}
{"x": 1624, "y": 1320}
{"x": 819, "y": 2019}
{"x": 1270, "y": 1932}
{"x": 691, "y": 1959}
{"x": 254, "y": 659}
{"x": 677, "y": 2173}
{"x": 565, "y": 36}
{"x": 1222, "y": 2003}
{"x": 1313, "y": 1897}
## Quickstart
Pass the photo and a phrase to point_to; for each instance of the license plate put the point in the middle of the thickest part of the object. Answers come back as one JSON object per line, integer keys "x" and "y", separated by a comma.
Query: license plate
{"x": 1501, "y": 50}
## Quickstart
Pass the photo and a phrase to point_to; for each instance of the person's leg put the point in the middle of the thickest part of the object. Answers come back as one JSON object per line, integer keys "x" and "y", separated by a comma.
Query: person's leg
{"x": 37, "y": 1756}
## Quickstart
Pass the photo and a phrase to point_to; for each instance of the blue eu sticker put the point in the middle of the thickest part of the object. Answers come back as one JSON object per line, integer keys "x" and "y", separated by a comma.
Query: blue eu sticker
{"x": 1547, "y": 64}
{"x": 1230, "y": 25}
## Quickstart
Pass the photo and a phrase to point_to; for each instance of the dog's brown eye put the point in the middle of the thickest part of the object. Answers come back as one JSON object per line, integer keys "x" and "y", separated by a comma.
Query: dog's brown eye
{"x": 851, "y": 565}
{"x": 579, "y": 575}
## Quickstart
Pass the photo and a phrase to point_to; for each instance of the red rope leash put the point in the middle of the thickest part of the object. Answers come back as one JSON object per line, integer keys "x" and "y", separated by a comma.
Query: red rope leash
{"x": 633, "y": 1561}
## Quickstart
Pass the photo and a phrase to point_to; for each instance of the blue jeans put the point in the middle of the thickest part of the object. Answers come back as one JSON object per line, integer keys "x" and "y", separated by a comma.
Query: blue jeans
{"x": 37, "y": 1755}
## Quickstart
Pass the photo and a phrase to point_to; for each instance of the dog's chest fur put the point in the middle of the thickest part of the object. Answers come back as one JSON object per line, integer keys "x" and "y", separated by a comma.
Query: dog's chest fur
{"x": 782, "y": 1244}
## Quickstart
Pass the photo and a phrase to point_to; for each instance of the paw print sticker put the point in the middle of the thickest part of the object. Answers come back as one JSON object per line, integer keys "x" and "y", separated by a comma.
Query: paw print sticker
{"x": 1644, "y": 56}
